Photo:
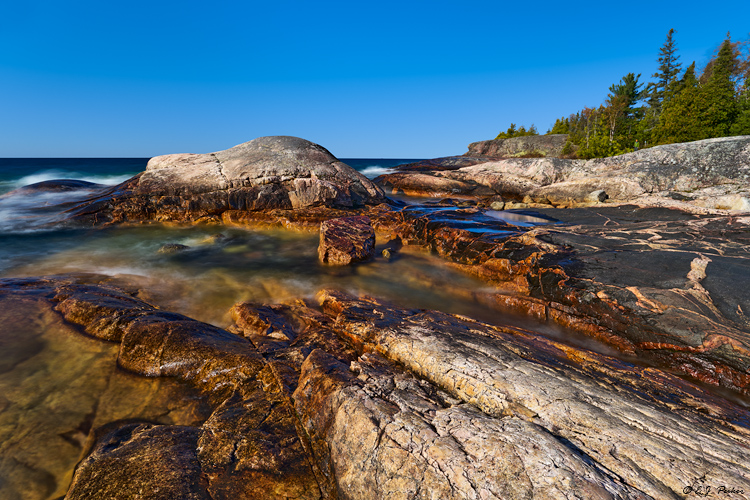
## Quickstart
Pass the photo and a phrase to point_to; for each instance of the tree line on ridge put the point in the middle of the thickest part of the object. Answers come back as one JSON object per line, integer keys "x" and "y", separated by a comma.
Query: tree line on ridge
{"x": 677, "y": 106}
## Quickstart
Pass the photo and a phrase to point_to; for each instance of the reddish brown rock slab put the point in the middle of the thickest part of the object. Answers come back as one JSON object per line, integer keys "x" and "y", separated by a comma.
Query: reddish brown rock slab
{"x": 249, "y": 446}
{"x": 346, "y": 240}
{"x": 141, "y": 460}
{"x": 308, "y": 219}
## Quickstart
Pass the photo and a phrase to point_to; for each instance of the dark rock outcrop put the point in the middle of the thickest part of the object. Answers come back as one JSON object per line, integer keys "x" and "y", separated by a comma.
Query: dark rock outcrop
{"x": 263, "y": 174}
{"x": 141, "y": 460}
{"x": 55, "y": 186}
{"x": 346, "y": 240}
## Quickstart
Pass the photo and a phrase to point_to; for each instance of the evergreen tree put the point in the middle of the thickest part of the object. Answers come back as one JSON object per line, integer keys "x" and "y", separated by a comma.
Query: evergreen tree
{"x": 517, "y": 132}
{"x": 688, "y": 108}
{"x": 702, "y": 110}
{"x": 620, "y": 111}
{"x": 720, "y": 104}
{"x": 666, "y": 75}
{"x": 741, "y": 125}
{"x": 561, "y": 126}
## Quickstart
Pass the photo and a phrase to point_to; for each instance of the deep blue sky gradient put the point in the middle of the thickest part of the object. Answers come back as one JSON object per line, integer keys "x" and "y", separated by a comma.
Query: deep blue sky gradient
{"x": 364, "y": 79}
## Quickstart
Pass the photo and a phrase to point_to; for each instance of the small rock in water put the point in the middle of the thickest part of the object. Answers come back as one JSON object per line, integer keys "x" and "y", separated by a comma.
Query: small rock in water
{"x": 346, "y": 240}
{"x": 215, "y": 238}
{"x": 172, "y": 248}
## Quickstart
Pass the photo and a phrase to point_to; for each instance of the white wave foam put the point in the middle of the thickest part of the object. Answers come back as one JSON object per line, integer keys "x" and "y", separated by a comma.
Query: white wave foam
{"x": 374, "y": 171}
{"x": 32, "y": 212}
{"x": 48, "y": 175}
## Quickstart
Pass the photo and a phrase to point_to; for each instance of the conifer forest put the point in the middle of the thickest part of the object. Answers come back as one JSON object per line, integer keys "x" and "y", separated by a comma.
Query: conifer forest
{"x": 678, "y": 104}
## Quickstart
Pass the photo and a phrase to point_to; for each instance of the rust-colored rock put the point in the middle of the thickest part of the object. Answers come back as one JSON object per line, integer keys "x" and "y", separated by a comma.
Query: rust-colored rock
{"x": 346, "y": 240}
{"x": 363, "y": 399}
{"x": 140, "y": 460}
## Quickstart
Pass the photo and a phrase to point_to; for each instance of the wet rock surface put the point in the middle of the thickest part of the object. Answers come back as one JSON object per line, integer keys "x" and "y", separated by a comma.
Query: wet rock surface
{"x": 346, "y": 240}
{"x": 351, "y": 397}
{"x": 661, "y": 284}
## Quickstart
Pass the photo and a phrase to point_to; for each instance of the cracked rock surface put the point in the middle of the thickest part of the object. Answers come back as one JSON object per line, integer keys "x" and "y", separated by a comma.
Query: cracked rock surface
{"x": 711, "y": 173}
{"x": 262, "y": 174}
{"x": 351, "y": 397}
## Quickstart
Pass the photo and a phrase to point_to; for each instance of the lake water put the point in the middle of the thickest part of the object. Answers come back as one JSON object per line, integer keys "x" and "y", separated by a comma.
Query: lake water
{"x": 222, "y": 266}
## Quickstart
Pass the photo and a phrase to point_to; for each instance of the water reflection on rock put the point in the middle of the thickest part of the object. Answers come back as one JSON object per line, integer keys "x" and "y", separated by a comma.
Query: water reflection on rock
{"x": 56, "y": 385}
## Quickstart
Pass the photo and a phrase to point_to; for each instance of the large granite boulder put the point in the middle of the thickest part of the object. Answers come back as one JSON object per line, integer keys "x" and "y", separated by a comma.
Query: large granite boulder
{"x": 266, "y": 173}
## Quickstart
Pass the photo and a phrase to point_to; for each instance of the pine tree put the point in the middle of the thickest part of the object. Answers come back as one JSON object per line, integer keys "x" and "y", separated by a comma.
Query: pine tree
{"x": 702, "y": 109}
{"x": 669, "y": 68}
{"x": 679, "y": 120}
{"x": 721, "y": 106}
{"x": 620, "y": 111}
{"x": 741, "y": 125}
{"x": 561, "y": 126}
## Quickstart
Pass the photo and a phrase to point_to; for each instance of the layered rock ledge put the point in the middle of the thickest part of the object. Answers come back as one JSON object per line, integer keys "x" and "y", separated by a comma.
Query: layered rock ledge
{"x": 712, "y": 173}
{"x": 356, "y": 398}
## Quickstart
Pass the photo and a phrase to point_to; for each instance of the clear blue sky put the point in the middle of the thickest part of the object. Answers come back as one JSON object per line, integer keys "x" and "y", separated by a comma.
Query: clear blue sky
{"x": 364, "y": 79}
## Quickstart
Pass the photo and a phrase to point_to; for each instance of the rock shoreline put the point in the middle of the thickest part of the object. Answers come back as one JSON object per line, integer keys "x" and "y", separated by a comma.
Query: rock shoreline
{"x": 356, "y": 398}
{"x": 352, "y": 397}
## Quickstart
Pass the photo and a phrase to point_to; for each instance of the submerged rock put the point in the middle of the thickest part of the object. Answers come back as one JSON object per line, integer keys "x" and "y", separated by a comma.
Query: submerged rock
{"x": 346, "y": 240}
{"x": 55, "y": 186}
{"x": 263, "y": 174}
{"x": 172, "y": 248}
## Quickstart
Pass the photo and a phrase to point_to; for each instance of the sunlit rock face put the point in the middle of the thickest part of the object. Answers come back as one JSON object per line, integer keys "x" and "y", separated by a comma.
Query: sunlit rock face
{"x": 712, "y": 173}
{"x": 266, "y": 173}
{"x": 540, "y": 145}
{"x": 353, "y": 398}
{"x": 346, "y": 240}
